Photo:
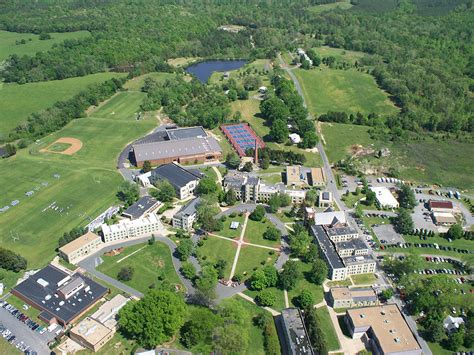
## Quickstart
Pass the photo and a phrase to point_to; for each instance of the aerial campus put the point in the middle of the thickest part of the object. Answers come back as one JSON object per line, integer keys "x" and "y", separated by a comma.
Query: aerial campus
{"x": 191, "y": 203}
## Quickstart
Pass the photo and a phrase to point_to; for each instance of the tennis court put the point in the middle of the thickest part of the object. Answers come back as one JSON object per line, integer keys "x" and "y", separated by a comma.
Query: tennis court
{"x": 242, "y": 137}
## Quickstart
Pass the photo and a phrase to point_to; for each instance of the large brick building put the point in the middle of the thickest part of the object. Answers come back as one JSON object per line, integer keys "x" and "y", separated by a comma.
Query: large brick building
{"x": 189, "y": 145}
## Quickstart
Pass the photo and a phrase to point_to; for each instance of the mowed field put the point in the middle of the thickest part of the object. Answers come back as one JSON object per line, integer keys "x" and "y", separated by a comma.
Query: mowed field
{"x": 350, "y": 91}
{"x": 86, "y": 186}
{"x": 444, "y": 162}
{"x": 8, "y": 44}
{"x": 19, "y": 101}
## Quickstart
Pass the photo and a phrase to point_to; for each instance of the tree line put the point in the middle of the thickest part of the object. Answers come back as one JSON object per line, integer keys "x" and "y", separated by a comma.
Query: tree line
{"x": 54, "y": 118}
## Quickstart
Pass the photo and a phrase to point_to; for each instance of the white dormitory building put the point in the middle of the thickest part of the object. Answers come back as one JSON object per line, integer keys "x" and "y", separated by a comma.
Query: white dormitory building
{"x": 126, "y": 229}
{"x": 385, "y": 198}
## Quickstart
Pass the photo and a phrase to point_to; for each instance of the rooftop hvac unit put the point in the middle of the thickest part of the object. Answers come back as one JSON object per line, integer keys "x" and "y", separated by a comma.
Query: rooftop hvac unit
{"x": 42, "y": 282}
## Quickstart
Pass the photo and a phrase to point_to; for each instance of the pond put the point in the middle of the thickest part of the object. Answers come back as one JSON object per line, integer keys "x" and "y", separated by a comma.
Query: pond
{"x": 204, "y": 70}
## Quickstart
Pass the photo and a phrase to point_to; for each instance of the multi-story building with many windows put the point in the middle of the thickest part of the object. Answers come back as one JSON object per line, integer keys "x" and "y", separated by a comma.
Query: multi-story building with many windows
{"x": 131, "y": 229}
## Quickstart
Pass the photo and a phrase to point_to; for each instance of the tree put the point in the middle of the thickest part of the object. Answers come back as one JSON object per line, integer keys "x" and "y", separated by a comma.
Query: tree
{"x": 258, "y": 213}
{"x": 265, "y": 163}
{"x": 185, "y": 249}
{"x": 126, "y": 273}
{"x": 258, "y": 280}
{"x": 271, "y": 275}
{"x": 370, "y": 197}
{"x": 265, "y": 298}
{"x": 305, "y": 300}
{"x": 274, "y": 203}
{"x": 198, "y": 330}
{"x": 279, "y": 131}
{"x": 404, "y": 222}
{"x": 456, "y": 339}
{"x": 11, "y": 261}
{"x": 315, "y": 333}
{"x": 311, "y": 197}
{"x": 248, "y": 167}
{"x": 146, "y": 166}
{"x": 207, "y": 185}
{"x": 230, "y": 197}
{"x": 387, "y": 294}
{"x": 206, "y": 213}
{"x": 306, "y": 65}
{"x": 319, "y": 272}
{"x": 220, "y": 266}
{"x": 312, "y": 254}
{"x": 165, "y": 191}
{"x": 299, "y": 241}
{"x": 359, "y": 211}
{"x": 455, "y": 232}
{"x": 232, "y": 336}
{"x": 206, "y": 284}
{"x": 310, "y": 139}
{"x": 406, "y": 197}
{"x": 232, "y": 160}
{"x": 188, "y": 270}
{"x": 154, "y": 319}
{"x": 272, "y": 233}
{"x": 290, "y": 275}
{"x": 43, "y": 36}
{"x": 10, "y": 150}
{"x": 128, "y": 192}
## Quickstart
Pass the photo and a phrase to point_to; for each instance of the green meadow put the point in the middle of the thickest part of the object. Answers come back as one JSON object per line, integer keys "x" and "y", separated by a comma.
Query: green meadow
{"x": 444, "y": 162}
{"x": 33, "y": 44}
{"x": 343, "y": 5}
{"x": 19, "y": 101}
{"x": 350, "y": 91}
{"x": 85, "y": 185}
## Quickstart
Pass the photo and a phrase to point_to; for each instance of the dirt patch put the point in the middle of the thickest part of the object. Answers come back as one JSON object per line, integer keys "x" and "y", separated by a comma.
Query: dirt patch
{"x": 74, "y": 146}
{"x": 357, "y": 150}
{"x": 159, "y": 263}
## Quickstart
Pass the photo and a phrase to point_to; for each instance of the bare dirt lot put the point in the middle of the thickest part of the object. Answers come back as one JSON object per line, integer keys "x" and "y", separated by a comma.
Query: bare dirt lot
{"x": 72, "y": 145}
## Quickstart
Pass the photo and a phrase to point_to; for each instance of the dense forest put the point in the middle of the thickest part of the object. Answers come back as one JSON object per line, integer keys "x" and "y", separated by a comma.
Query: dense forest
{"x": 420, "y": 51}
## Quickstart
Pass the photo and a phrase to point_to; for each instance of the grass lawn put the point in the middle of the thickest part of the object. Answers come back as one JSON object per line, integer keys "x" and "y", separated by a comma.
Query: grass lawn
{"x": 251, "y": 258}
{"x": 254, "y": 233}
{"x": 17, "y": 104}
{"x": 59, "y": 147}
{"x": 303, "y": 284}
{"x": 182, "y": 61}
{"x": 31, "y": 312}
{"x": 136, "y": 83}
{"x": 284, "y": 217}
{"x": 122, "y": 106}
{"x": 84, "y": 177}
{"x": 271, "y": 178}
{"x": 9, "y": 278}
{"x": 8, "y": 44}
{"x": 317, "y": 9}
{"x": 7, "y": 348}
{"x": 223, "y": 142}
{"x": 363, "y": 279}
{"x": 328, "y": 328}
{"x": 439, "y": 162}
{"x": 350, "y": 91}
{"x": 214, "y": 249}
{"x": 279, "y": 295}
{"x": 468, "y": 258}
{"x": 341, "y": 137}
{"x": 232, "y": 233}
{"x": 149, "y": 262}
{"x": 351, "y": 199}
{"x": 346, "y": 282}
{"x": 339, "y": 53}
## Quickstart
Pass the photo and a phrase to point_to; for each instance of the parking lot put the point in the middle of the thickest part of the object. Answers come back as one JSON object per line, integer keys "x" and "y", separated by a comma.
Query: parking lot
{"x": 17, "y": 329}
{"x": 387, "y": 235}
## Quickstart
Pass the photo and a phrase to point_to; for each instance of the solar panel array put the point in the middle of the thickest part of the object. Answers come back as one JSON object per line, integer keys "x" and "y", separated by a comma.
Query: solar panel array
{"x": 242, "y": 137}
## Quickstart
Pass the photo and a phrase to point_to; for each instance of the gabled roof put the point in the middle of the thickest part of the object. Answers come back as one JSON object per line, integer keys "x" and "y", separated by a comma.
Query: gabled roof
{"x": 175, "y": 174}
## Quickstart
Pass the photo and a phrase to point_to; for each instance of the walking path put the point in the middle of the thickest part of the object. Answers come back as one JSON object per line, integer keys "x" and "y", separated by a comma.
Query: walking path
{"x": 287, "y": 303}
{"x": 239, "y": 246}
{"x": 218, "y": 173}
{"x": 250, "y": 299}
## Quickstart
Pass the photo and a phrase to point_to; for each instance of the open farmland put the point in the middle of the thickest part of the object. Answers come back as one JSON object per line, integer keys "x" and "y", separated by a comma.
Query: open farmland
{"x": 17, "y": 103}
{"x": 349, "y": 91}
{"x": 85, "y": 184}
{"x": 32, "y": 43}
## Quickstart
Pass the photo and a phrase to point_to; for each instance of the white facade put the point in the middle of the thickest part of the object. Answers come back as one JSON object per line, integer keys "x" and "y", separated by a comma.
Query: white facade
{"x": 131, "y": 229}
{"x": 144, "y": 179}
{"x": 265, "y": 192}
{"x": 384, "y": 197}
{"x": 295, "y": 138}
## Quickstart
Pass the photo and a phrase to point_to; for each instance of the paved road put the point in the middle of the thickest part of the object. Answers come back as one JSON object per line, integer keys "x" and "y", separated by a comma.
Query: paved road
{"x": 37, "y": 342}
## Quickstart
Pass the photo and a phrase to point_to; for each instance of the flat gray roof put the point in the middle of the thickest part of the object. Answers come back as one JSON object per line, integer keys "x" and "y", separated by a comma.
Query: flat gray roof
{"x": 174, "y": 149}
{"x": 175, "y": 174}
{"x": 296, "y": 332}
{"x": 141, "y": 207}
{"x": 186, "y": 133}
{"x": 340, "y": 231}
{"x": 327, "y": 247}
{"x": 189, "y": 209}
{"x": 358, "y": 259}
{"x": 355, "y": 243}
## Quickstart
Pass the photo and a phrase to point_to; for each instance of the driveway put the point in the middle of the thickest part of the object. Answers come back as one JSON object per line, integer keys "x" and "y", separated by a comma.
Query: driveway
{"x": 37, "y": 342}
